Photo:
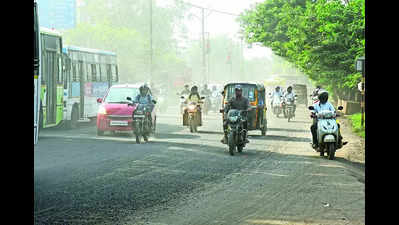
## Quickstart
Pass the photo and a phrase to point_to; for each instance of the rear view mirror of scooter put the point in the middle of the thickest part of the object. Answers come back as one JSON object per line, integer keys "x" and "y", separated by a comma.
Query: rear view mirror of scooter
{"x": 311, "y": 107}
{"x": 340, "y": 108}
{"x": 129, "y": 98}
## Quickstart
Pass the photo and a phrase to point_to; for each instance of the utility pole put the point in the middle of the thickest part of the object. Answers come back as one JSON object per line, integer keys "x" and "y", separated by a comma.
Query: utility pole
{"x": 151, "y": 40}
{"x": 203, "y": 46}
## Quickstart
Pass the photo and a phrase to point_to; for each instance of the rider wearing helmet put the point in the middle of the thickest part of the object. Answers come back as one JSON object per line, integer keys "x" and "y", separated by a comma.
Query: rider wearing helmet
{"x": 194, "y": 96}
{"x": 144, "y": 97}
{"x": 186, "y": 91}
{"x": 323, "y": 104}
{"x": 238, "y": 102}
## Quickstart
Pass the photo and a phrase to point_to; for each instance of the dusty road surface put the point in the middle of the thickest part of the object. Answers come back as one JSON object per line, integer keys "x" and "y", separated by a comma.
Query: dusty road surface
{"x": 180, "y": 178}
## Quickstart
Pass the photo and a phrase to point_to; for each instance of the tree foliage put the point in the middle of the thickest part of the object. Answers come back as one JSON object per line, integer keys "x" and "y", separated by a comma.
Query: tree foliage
{"x": 323, "y": 38}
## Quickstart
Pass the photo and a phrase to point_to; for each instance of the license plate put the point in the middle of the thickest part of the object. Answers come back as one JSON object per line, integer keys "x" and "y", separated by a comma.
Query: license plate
{"x": 118, "y": 123}
{"x": 138, "y": 116}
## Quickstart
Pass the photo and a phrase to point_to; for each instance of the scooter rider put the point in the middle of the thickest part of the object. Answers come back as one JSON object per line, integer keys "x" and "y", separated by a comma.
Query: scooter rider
{"x": 291, "y": 96}
{"x": 238, "y": 102}
{"x": 323, "y": 104}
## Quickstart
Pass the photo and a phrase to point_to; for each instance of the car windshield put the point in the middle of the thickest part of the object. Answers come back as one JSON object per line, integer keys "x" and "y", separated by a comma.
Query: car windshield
{"x": 248, "y": 91}
{"x": 119, "y": 95}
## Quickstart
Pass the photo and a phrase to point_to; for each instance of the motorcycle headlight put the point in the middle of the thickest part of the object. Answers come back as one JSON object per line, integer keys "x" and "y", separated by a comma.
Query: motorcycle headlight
{"x": 233, "y": 119}
{"x": 191, "y": 107}
{"x": 102, "y": 110}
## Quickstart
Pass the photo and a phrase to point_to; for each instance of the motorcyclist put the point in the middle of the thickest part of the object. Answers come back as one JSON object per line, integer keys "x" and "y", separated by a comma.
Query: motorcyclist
{"x": 289, "y": 96}
{"x": 323, "y": 104}
{"x": 193, "y": 95}
{"x": 186, "y": 90}
{"x": 207, "y": 93}
{"x": 145, "y": 98}
{"x": 238, "y": 102}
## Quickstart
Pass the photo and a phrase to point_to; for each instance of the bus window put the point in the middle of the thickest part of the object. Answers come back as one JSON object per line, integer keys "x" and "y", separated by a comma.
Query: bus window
{"x": 114, "y": 73}
{"x": 74, "y": 74}
{"x": 93, "y": 72}
{"x": 103, "y": 73}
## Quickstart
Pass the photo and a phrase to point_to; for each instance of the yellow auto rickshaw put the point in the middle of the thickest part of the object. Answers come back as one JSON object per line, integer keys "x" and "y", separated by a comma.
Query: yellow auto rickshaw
{"x": 255, "y": 92}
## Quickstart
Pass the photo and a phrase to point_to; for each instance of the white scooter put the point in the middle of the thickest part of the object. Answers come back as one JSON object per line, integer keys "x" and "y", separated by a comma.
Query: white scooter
{"x": 327, "y": 132}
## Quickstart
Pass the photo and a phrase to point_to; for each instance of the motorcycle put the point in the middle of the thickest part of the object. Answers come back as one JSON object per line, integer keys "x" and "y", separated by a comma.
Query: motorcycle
{"x": 192, "y": 116}
{"x": 235, "y": 128}
{"x": 142, "y": 124}
{"x": 289, "y": 107}
{"x": 182, "y": 103}
{"x": 327, "y": 132}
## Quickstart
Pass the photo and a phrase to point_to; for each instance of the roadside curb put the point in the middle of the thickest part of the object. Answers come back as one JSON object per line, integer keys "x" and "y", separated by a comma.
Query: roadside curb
{"x": 354, "y": 151}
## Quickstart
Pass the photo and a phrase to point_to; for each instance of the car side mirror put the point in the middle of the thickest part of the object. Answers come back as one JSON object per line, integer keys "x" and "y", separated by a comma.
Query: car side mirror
{"x": 153, "y": 101}
{"x": 222, "y": 92}
{"x": 311, "y": 107}
{"x": 202, "y": 97}
{"x": 221, "y": 110}
{"x": 99, "y": 100}
{"x": 296, "y": 95}
{"x": 182, "y": 97}
{"x": 340, "y": 108}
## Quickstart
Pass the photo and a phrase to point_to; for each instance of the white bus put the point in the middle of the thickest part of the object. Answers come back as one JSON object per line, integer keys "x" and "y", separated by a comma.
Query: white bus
{"x": 88, "y": 75}
{"x": 36, "y": 75}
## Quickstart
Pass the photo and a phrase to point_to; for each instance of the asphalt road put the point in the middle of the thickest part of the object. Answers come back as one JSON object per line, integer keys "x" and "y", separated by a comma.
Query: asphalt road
{"x": 184, "y": 178}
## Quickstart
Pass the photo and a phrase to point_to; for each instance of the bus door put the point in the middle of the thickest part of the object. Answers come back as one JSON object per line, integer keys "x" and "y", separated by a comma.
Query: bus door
{"x": 51, "y": 88}
{"x": 82, "y": 89}
{"x": 36, "y": 74}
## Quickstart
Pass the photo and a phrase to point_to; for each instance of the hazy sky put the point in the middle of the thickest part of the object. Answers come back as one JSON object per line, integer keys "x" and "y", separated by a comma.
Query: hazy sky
{"x": 221, "y": 24}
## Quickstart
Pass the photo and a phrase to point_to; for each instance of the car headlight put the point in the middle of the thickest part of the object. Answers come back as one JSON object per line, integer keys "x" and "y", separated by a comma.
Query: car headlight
{"x": 101, "y": 110}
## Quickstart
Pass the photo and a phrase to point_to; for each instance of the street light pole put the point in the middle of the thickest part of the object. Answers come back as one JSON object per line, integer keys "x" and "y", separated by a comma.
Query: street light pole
{"x": 151, "y": 40}
{"x": 203, "y": 45}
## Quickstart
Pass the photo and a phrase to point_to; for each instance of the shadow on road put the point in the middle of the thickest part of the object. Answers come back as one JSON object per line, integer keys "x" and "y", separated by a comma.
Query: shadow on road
{"x": 280, "y": 138}
{"x": 289, "y": 130}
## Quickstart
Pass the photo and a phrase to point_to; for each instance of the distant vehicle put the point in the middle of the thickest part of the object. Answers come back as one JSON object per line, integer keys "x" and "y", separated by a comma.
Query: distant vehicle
{"x": 114, "y": 114}
{"x": 88, "y": 75}
{"x": 36, "y": 74}
{"x": 302, "y": 92}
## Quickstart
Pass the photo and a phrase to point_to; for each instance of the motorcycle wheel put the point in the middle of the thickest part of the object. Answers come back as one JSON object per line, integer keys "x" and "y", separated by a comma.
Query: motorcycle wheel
{"x": 231, "y": 143}
{"x": 322, "y": 152}
{"x": 331, "y": 151}
{"x": 191, "y": 124}
{"x": 145, "y": 138}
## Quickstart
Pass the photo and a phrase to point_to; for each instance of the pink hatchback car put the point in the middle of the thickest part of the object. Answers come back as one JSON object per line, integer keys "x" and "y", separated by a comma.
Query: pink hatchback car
{"x": 114, "y": 114}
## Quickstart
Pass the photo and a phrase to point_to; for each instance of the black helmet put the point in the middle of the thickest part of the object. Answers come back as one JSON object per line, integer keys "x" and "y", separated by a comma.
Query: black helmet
{"x": 143, "y": 88}
{"x": 323, "y": 97}
{"x": 194, "y": 88}
{"x": 289, "y": 88}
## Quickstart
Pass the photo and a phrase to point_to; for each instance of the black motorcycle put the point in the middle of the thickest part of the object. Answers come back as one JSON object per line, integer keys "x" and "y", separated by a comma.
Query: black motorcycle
{"x": 235, "y": 128}
{"x": 142, "y": 122}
